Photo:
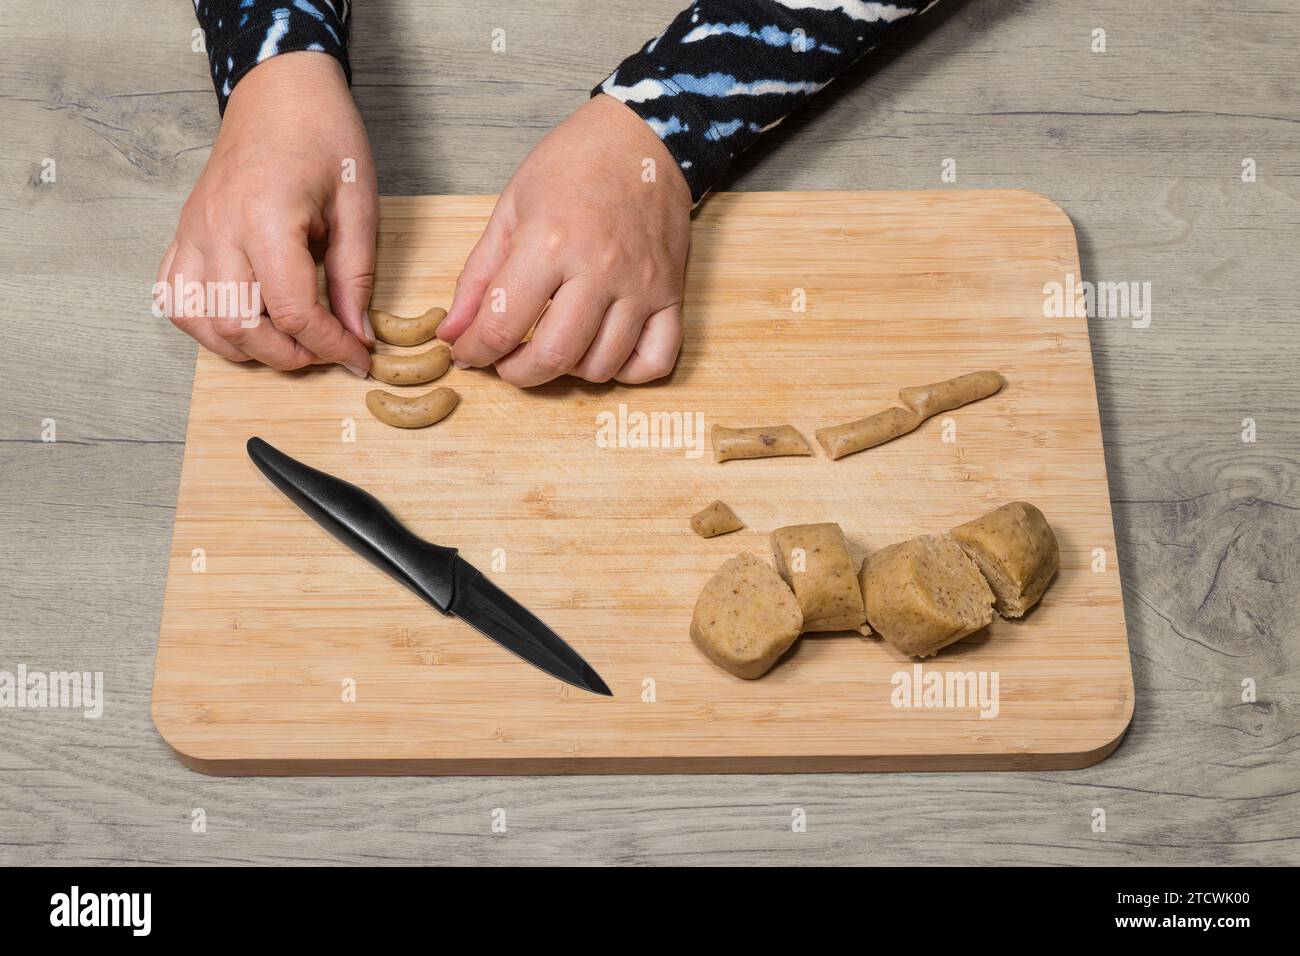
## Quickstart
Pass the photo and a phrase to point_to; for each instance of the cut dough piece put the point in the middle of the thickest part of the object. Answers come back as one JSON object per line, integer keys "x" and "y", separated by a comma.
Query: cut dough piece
{"x": 924, "y": 594}
{"x": 927, "y": 400}
{"x": 715, "y": 519}
{"x": 771, "y": 441}
{"x": 746, "y": 617}
{"x": 814, "y": 560}
{"x": 840, "y": 440}
{"x": 1016, "y": 550}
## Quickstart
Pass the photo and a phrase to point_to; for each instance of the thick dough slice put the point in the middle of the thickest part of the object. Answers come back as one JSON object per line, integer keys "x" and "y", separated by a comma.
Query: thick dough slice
{"x": 924, "y": 594}
{"x": 840, "y": 440}
{"x": 715, "y": 519}
{"x": 927, "y": 400}
{"x": 1016, "y": 550}
{"x": 772, "y": 441}
{"x": 746, "y": 617}
{"x": 814, "y": 560}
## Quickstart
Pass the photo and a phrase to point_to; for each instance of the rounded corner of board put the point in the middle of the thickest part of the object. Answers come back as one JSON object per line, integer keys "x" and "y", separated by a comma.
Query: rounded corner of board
{"x": 1111, "y": 739}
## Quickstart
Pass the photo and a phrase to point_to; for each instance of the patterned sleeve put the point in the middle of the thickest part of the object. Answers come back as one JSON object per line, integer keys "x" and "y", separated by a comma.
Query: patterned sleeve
{"x": 726, "y": 71}
{"x": 240, "y": 34}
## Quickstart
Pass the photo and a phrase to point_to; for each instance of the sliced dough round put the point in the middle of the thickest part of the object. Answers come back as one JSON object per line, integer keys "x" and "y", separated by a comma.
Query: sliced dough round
{"x": 1016, "y": 550}
{"x": 922, "y": 595}
{"x": 746, "y": 617}
{"x": 814, "y": 560}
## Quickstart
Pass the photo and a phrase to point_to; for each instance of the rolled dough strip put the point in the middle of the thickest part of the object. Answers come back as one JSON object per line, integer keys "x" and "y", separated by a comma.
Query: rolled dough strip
{"x": 922, "y": 595}
{"x": 928, "y": 400}
{"x": 814, "y": 560}
{"x": 1016, "y": 551}
{"x": 840, "y": 440}
{"x": 746, "y": 617}
{"x": 715, "y": 519}
{"x": 773, "y": 441}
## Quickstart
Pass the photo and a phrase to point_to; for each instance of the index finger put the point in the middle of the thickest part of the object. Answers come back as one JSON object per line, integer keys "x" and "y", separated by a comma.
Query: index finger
{"x": 286, "y": 273}
{"x": 515, "y": 297}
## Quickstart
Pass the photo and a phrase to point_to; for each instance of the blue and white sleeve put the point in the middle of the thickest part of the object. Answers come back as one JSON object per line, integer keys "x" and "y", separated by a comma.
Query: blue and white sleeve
{"x": 726, "y": 71}
{"x": 240, "y": 34}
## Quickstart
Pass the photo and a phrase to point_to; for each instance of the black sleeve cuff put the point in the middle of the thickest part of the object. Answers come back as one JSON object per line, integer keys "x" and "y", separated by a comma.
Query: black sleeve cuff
{"x": 240, "y": 34}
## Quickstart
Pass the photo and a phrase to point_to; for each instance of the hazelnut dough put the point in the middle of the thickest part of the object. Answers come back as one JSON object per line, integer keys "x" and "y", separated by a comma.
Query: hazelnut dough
{"x": 397, "y": 330}
{"x": 773, "y": 441}
{"x": 746, "y": 617}
{"x": 922, "y": 595}
{"x": 927, "y": 400}
{"x": 840, "y": 440}
{"x": 411, "y": 369}
{"x": 814, "y": 560}
{"x": 1016, "y": 550}
{"x": 922, "y": 401}
{"x": 415, "y": 411}
{"x": 715, "y": 519}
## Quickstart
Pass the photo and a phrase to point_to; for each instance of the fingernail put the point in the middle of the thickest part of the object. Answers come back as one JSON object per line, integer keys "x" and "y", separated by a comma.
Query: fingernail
{"x": 365, "y": 324}
{"x": 356, "y": 371}
{"x": 459, "y": 364}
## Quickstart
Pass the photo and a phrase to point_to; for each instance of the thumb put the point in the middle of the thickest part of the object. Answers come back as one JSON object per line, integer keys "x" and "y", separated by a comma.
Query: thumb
{"x": 485, "y": 260}
{"x": 350, "y": 266}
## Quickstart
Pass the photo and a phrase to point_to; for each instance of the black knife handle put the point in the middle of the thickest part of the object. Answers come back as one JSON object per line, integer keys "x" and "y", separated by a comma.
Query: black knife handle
{"x": 360, "y": 520}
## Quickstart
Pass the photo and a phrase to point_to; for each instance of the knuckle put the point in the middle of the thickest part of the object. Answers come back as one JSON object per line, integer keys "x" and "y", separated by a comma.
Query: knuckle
{"x": 599, "y": 374}
{"x": 556, "y": 357}
{"x": 497, "y": 337}
{"x": 553, "y": 239}
{"x": 654, "y": 367}
{"x": 231, "y": 331}
{"x": 289, "y": 319}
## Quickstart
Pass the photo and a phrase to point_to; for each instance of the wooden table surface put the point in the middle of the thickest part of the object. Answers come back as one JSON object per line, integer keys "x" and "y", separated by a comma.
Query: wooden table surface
{"x": 1142, "y": 145}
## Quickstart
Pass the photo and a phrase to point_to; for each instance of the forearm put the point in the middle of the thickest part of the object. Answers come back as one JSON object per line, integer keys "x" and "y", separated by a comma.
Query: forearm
{"x": 726, "y": 71}
{"x": 239, "y": 34}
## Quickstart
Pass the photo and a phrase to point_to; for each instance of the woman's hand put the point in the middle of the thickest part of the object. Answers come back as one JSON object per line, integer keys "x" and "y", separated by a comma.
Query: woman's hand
{"x": 290, "y": 173}
{"x": 597, "y": 221}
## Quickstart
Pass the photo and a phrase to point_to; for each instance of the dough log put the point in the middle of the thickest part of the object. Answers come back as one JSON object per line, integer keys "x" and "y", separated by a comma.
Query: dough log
{"x": 1016, "y": 550}
{"x": 715, "y": 519}
{"x": 774, "y": 441}
{"x": 922, "y": 595}
{"x": 411, "y": 369}
{"x": 415, "y": 411}
{"x": 814, "y": 560}
{"x": 840, "y": 440}
{"x": 746, "y": 617}
{"x": 396, "y": 330}
{"x": 927, "y": 400}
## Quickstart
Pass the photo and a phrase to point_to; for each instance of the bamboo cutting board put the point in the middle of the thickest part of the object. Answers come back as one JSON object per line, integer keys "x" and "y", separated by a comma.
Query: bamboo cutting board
{"x": 282, "y": 652}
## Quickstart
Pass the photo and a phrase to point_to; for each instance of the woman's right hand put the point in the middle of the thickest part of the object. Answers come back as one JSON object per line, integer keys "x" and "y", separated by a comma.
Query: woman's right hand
{"x": 290, "y": 173}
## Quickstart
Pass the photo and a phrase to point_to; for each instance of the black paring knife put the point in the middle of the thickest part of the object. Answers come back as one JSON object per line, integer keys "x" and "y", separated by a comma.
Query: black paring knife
{"x": 437, "y": 574}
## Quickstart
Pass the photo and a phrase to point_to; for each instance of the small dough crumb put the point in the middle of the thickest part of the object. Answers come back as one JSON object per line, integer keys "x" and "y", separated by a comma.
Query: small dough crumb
{"x": 715, "y": 519}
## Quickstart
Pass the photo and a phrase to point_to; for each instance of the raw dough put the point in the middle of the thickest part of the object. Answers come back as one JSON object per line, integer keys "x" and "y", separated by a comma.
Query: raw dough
{"x": 772, "y": 441}
{"x": 840, "y": 440}
{"x": 924, "y": 594}
{"x": 746, "y": 617}
{"x": 412, "y": 411}
{"x": 1016, "y": 551}
{"x": 714, "y": 520}
{"x": 927, "y": 400}
{"x": 823, "y": 577}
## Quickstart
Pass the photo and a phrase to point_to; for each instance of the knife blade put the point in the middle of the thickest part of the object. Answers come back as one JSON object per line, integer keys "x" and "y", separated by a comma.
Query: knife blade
{"x": 437, "y": 574}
